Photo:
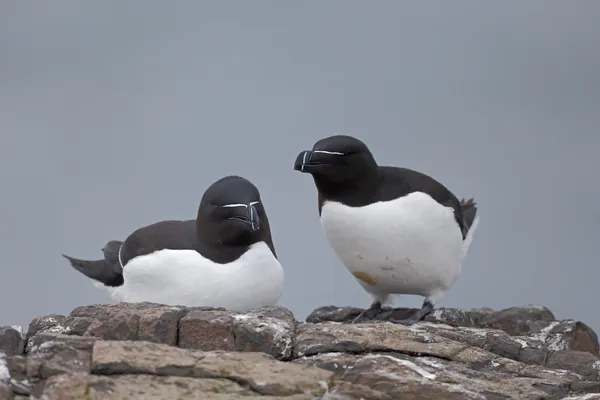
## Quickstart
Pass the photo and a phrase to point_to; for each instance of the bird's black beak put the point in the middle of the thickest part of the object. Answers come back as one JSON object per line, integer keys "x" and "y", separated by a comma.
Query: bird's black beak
{"x": 308, "y": 160}
{"x": 248, "y": 215}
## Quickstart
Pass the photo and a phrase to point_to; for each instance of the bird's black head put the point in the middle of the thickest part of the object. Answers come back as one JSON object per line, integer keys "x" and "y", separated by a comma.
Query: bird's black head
{"x": 231, "y": 213}
{"x": 337, "y": 161}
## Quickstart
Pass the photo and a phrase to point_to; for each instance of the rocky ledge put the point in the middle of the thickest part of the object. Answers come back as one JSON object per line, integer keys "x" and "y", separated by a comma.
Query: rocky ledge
{"x": 153, "y": 351}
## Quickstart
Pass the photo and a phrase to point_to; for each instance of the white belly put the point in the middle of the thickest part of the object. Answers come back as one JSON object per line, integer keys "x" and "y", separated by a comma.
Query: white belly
{"x": 412, "y": 245}
{"x": 184, "y": 277}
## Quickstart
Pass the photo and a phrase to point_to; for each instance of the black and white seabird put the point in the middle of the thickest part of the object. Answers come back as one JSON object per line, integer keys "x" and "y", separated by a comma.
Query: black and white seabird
{"x": 397, "y": 231}
{"x": 223, "y": 258}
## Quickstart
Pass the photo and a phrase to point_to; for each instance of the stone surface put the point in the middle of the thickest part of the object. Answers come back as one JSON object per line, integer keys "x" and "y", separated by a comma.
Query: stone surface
{"x": 534, "y": 323}
{"x": 208, "y": 329}
{"x": 11, "y": 340}
{"x": 258, "y": 371}
{"x": 153, "y": 351}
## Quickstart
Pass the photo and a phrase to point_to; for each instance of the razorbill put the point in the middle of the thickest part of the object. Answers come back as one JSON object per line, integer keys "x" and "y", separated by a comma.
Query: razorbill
{"x": 223, "y": 258}
{"x": 397, "y": 231}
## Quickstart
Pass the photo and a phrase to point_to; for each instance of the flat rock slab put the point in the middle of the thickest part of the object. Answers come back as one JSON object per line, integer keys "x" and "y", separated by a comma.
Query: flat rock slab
{"x": 258, "y": 371}
{"x": 148, "y": 387}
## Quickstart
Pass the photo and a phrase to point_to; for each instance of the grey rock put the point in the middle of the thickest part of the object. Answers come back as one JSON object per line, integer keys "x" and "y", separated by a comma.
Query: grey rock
{"x": 11, "y": 341}
{"x": 153, "y": 351}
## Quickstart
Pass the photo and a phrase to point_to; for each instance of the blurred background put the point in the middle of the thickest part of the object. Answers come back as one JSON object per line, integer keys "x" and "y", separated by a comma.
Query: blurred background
{"x": 115, "y": 115}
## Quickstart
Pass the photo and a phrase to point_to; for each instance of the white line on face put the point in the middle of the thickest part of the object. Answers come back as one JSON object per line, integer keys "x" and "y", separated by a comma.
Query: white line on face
{"x": 334, "y": 153}
{"x": 303, "y": 161}
{"x": 240, "y": 204}
{"x": 119, "y": 254}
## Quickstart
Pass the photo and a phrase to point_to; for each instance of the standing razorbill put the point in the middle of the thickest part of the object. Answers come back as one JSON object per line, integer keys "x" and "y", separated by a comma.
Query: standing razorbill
{"x": 396, "y": 230}
{"x": 224, "y": 258}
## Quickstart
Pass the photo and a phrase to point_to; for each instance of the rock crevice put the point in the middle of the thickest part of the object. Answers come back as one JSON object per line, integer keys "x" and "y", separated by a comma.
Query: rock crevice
{"x": 162, "y": 352}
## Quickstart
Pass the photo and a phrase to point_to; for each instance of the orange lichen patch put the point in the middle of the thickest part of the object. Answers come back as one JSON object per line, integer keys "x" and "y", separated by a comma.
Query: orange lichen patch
{"x": 364, "y": 277}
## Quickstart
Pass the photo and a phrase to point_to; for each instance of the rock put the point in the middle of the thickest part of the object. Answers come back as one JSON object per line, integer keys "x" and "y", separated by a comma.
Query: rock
{"x": 207, "y": 329}
{"x": 149, "y": 387}
{"x": 258, "y": 371}
{"x": 154, "y": 351}
{"x": 269, "y": 330}
{"x": 58, "y": 354}
{"x": 360, "y": 338}
{"x": 11, "y": 340}
{"x": 534, "y": 322}
{"x": 5, "y": 392}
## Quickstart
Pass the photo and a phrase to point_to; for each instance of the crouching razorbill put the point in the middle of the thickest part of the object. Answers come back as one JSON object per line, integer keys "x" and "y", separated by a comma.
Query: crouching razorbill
{"x": 396, "y": 230}
{"x": 224, "y": 258}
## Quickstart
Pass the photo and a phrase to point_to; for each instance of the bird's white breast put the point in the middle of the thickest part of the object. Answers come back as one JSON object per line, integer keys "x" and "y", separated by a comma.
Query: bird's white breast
{"x": 185, "y": 277}
{"x": 410, "y": 245}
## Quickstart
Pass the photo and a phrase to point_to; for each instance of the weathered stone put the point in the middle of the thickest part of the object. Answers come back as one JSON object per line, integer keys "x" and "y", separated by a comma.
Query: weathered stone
{"x": 585, "y": 387}
{"x": 162, "y": 387}
{"x": 16, "y": 367}
{"x": 150, "y": 387}
{"x": 44, "y": 323}
{"x": 55, "y": 323}
{"x": 564, "y": 335}
{"x": 268, "y": 330}
{"x": 587, "y": 396}
{"x": 123, "y": 321}
{"x": 532, "y": 349}
{"x": 579, "y": 362}
{"x": 38, "y": 343}
{"x": 514, "y": 321}
{"x": 66, "y": 387}
{"x": 4, "y": 368}
{"x": 23, "y": 388}
{"x": 359, "y": 338}
{"x": 160, "y": 324}
{"x": 531, "y": 355}
{"x": 130, "y": 350}
{"x": 5, "y": 392}
{"x": 261, "y": 372}
{"x": 534, "y": 321}
{"x": 131, "y": 357}
{"x": 347, "y": 391}
{"x": 11, "y": 340}
{"x": 112, "y": 321}
{"x": 404, "y": 377}
{"x": 57, "y": 354}
{"x": 16, "y": 378}
{"x": 207, "y": 329}
{"x": 503, "y": 345}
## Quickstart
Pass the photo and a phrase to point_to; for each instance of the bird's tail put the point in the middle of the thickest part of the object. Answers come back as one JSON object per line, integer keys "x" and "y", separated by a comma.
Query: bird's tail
{"x": 471, "y": 220}
{"x": 469, "y": 208}
{"x": 98, "y": 270}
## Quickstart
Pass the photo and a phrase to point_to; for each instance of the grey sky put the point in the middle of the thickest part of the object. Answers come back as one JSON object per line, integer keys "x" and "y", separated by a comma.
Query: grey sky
{"x": 114, "y": 115}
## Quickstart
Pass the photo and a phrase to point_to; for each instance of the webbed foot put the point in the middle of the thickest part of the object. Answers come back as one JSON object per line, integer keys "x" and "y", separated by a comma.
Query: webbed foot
{"x": 369, "y": 314}
{"x": 425, "y": 310}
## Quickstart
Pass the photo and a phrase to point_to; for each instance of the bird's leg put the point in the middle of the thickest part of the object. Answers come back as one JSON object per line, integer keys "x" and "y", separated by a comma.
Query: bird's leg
{"x": 425, "y": 310}
{"x": 370, "y": 313}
